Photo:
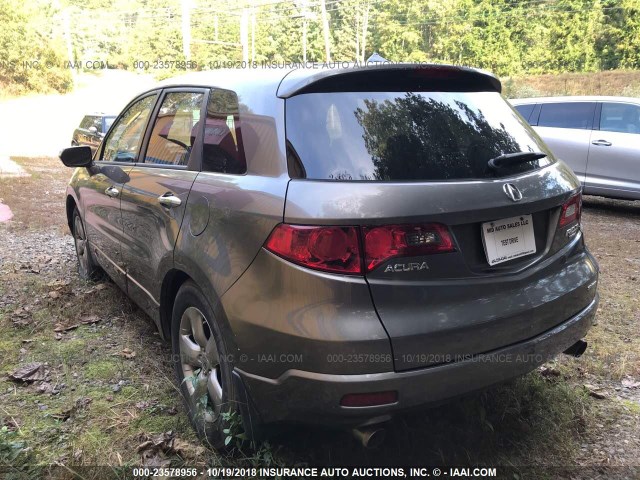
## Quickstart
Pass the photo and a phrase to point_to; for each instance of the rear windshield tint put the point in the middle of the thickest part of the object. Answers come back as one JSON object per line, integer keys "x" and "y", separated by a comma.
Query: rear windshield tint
{"x": 389, "y": 136}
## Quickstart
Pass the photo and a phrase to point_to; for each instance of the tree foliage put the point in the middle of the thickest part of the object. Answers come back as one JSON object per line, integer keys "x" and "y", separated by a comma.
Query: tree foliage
{"x": 507, "y": 37}
{"x": 31, "y": 52}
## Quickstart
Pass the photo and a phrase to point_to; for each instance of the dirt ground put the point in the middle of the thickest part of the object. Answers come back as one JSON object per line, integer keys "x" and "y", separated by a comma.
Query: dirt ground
{"x": 105, "y": 393}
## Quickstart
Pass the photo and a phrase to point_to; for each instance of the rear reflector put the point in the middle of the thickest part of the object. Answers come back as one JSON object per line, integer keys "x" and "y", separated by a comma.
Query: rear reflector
{"x": 337, "y": 249}
{"x": 383, "y": 243}
{"x": 571, "y": 210}
{"x": 369, "y": 399}
{"x": 331, "y": 249}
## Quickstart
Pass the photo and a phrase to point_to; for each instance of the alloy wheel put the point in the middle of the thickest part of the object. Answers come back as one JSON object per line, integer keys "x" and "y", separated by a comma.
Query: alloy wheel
{"x": 80, "y": 240}
{"x": 200, "y": 362}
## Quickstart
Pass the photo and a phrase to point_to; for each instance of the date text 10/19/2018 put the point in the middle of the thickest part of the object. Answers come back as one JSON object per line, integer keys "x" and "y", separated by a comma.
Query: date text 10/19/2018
{"x": 318, "y": 472}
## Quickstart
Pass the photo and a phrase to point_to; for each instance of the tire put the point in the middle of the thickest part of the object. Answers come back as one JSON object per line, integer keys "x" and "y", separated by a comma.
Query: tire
{"x": 88, "y": 269}
{"x": 204, "y": 369}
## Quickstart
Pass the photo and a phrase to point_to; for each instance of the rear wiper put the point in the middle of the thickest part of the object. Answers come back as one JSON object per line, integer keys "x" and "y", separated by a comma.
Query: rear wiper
{"x": 509, "y": 159}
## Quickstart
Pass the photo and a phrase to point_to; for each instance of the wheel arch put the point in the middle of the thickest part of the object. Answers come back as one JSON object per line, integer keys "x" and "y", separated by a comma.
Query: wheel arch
{"x": 173, "y": 279}
{"x": 70, "y": 207}
{"x": 171, "y": 283}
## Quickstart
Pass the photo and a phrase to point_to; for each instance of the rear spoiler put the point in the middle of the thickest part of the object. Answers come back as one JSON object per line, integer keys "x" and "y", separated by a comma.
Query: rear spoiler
{"x": 403, "y": 77}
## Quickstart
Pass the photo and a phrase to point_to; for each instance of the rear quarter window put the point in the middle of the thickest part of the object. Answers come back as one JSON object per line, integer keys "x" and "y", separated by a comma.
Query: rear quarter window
{"x": 391, "y": 136}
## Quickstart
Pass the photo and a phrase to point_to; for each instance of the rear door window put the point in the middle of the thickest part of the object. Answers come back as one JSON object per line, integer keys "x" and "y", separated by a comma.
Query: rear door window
{"x": 175, "y": 129}
{"x": 567, "y": 115}
{"x": 525, "y": 110}
{"x": 388, "y": 136}
{"x": 620, "y": 117}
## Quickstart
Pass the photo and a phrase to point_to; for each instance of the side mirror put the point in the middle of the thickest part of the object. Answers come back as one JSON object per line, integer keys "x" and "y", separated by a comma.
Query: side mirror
{"x": 76, "y": 156}
{"x": 93, "y": 130}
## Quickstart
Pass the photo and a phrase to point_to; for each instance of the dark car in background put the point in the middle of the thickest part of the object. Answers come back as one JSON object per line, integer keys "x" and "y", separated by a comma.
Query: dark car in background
{"x": 598, "y": 137}
{"x": 92, "y": 130}
{"x": 336, "y": 246}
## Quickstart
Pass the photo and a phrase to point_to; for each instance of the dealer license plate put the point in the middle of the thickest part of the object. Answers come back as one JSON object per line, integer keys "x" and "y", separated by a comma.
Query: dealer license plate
{"x": 509, "y": 238}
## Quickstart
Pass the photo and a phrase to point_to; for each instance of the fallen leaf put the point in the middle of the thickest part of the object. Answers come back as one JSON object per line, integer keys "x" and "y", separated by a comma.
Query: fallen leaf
{"x": 155, "y": 460}
{"x": 31, "y": 372}
{"x": 90, "y": 320}
{"x": 20, "y": 312}
{"x": 127, "y": 353}
{"x": 595, "y": 392}
{"x": 58, "y": 327}
{"x": 21, "y": 317}
{"x": 162, "y": 442}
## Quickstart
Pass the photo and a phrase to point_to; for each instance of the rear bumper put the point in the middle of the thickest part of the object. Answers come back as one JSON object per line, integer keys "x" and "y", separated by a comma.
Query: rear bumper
{"x": 307, "y": 397}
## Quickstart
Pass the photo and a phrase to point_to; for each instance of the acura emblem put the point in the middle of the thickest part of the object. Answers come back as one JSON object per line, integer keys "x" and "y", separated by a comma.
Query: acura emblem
{"x": 512, "y": 192}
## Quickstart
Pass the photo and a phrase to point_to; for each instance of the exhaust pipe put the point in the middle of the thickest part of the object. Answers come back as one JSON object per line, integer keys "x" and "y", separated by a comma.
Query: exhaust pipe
{"x": 370, "y": 436}
{"x": 576, "y": 349}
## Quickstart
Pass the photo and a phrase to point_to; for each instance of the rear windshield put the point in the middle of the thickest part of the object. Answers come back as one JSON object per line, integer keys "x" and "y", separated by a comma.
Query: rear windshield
{"x": 389, "y": 136}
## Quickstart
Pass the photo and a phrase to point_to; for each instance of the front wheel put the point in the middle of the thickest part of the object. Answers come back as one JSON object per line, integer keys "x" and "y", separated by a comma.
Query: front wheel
{"x": 204, "y": 369}
{"x": 88, "y": 269}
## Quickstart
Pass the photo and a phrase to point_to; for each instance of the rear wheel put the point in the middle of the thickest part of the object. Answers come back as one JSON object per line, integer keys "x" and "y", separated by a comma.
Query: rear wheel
{"x": 88, "y": 269}
{"x": 203, "y": 368}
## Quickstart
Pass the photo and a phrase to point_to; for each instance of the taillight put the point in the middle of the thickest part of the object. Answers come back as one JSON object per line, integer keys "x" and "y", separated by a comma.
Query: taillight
{"x": 331, "y": 249}
{"x": 571, "y": 210}
{"x": 337, "y": 249}
{"x": 388, "y": 241}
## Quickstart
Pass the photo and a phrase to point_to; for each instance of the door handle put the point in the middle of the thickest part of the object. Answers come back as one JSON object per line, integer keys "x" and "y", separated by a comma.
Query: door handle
{"x": 169, "y": 200}
{"x": 112, "y": 191}
{"x": 601, "y": 143}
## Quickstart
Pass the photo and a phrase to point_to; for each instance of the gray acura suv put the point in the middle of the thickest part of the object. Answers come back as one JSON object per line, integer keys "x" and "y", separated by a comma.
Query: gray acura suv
{"x": 335, "y": 246}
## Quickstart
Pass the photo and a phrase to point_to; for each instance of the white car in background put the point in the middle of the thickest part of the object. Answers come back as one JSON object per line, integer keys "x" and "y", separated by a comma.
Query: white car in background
{"x": 598, "y": 137}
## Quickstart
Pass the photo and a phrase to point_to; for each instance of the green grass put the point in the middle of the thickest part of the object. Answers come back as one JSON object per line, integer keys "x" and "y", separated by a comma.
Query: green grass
{"x": 101, "y": 370}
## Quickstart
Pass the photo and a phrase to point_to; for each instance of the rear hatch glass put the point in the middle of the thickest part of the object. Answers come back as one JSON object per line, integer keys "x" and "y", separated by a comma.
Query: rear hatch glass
{"x": 405, "y": 136}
